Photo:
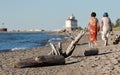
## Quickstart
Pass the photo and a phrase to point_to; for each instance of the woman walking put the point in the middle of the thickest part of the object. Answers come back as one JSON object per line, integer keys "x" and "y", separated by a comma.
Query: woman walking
{"x": 93, "y": 28}
{"x": 106, "y": 27}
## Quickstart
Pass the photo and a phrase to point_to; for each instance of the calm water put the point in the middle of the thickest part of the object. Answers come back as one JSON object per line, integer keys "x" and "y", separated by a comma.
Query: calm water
{"x": 21, "y": 41}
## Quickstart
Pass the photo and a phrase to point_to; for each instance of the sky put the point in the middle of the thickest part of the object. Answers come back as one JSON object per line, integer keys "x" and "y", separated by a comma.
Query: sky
{"x": 52, "y": 14}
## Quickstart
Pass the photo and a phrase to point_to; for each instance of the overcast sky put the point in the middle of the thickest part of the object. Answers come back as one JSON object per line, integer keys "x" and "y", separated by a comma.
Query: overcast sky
{"x": 51, "y": 14}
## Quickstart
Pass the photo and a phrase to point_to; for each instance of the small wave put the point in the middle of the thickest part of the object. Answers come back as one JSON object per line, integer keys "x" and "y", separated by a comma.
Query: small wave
{"x": 14, "y": 49}
{"x": 55, "y": 40}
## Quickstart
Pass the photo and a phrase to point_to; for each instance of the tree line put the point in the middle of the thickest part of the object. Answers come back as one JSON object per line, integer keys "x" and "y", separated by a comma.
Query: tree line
{"x": 117, "y": 23}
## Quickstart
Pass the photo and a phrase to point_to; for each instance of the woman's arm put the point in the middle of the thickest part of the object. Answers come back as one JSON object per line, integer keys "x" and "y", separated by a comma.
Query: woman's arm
{"x": 98, "y": 26}
{"x": 110, "y": 24}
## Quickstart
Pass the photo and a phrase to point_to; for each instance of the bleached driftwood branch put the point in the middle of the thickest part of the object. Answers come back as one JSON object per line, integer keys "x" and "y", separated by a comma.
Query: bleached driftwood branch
{"x": 70, "y": 48}
{"x": 73, "y": 44}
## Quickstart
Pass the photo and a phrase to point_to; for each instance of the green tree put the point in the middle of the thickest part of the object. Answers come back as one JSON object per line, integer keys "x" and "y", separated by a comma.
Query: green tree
{"x": 113, "y": 24}
{"x": 80, "y": 28}
{"x": 117, "y": 22}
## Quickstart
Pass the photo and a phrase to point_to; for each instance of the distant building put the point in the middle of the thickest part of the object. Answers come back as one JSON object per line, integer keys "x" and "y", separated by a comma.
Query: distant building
{"x": 71, "y": 23}
{"x": 3, "y": 29}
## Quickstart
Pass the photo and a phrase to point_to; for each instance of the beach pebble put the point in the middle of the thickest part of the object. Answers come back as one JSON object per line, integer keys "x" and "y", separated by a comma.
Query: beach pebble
{"x": 114, "y": 61}
{"x": 94, "y": 65}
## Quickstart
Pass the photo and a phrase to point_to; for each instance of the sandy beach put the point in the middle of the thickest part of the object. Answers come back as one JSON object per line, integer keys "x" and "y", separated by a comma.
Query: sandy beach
{"x": 107, "y": 62}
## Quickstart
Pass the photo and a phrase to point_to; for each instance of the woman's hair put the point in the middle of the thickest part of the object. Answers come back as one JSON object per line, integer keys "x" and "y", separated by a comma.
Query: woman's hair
{"x": 93, "y": 14}
{"x": 105, "y": 14}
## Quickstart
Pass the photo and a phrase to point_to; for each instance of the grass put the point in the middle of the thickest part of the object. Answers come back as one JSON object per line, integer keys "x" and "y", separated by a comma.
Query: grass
{"x": 116, "y": 28}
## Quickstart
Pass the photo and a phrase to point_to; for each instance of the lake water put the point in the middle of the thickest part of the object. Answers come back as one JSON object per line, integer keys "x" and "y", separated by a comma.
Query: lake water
{"x": 22, "y": 41}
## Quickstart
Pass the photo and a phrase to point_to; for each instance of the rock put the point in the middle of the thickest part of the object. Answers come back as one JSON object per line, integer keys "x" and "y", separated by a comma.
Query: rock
{"x": 114, "y": 61}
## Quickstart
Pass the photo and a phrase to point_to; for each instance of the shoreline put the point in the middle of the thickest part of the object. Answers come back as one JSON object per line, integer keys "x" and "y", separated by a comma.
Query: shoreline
{"x": 107, "y": 62}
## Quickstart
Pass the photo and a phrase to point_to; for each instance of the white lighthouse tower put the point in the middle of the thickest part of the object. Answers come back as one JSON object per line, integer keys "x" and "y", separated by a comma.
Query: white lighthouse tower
{"x": 71, "y": 23}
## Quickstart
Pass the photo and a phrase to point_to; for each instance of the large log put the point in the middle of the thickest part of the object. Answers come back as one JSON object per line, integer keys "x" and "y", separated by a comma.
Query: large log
{"x": 45, "y": 60}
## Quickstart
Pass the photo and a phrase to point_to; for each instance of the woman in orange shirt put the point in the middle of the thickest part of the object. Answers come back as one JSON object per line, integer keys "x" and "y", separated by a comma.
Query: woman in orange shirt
{"x": 93, "y": 29}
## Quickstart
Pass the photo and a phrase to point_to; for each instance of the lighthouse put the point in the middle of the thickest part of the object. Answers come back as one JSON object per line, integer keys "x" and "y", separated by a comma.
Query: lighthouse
{"x": 71, "y": 23}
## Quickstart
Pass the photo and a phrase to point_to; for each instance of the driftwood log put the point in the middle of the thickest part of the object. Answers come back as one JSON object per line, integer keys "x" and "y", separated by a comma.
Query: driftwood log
{"x": 92, "y": 51}
{"x": 45, "y": 60}
{"x": 55, "y": 57}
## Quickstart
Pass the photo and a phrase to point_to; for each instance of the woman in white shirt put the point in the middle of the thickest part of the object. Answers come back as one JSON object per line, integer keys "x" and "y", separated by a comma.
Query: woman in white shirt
{"x": 106, "y": 27}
